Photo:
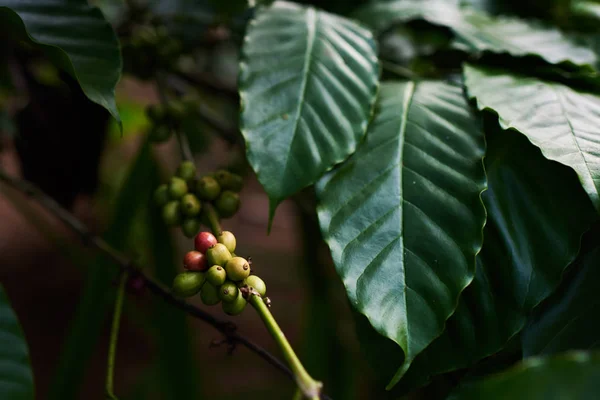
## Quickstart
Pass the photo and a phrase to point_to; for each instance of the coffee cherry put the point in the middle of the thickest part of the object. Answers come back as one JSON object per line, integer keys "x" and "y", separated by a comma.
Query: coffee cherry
{"x": 228, "y": 239}
{"x": 187, "y": 284}
{"x": 186, "y": 170}
{"x": 171, "y": 213}
{"x": 218, "y": 254}
{"x": 216, "y": 275}
{"x": 176, "y": 110}
{"x": 190, "y": 205}
{"x": 208, "y": 188}
{"x": 159, "y": 133}
{"x": 195, "y": 261}
{"x": 190, "y": 227}
{"x": 161, "y": 195}
{"x": 257, "y": 283}
{"x": 235, "y": 307}
{"x": 204, "y": 240}
{"x": 177, "y": 188}
{"x": 228, "y": 203}
{"x": 210, "y": 295}
{"x": 228, "y": 291}
{"x": 229, "y": 180}
{"x": 237, "y": 269}
{"x": 155, "y": 112}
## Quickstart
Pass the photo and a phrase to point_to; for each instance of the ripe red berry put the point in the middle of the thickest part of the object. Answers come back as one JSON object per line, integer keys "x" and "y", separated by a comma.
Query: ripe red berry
{"x": 195, "y": 261}
{"x": 204, "y": 240}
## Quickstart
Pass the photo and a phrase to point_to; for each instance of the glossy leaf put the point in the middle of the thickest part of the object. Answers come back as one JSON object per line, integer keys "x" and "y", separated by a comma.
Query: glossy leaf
{"x": 478, "y": 32}
{"x": 563, "y": 122}
{"x": 573, "y": 376}
{"x": 536, "y": 214}
{"x": 308, "y": 81}
{"x": 403, "y": 216}
{"x": 569, "y": 319}
{"x": 16, "y": 379}
{"x": 75, "y": 36}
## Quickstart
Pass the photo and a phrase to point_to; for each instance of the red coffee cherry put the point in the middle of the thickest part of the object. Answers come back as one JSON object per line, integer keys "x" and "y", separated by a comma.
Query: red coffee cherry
{"x": 204, "y": 240}
{"x": 195, "y": 261}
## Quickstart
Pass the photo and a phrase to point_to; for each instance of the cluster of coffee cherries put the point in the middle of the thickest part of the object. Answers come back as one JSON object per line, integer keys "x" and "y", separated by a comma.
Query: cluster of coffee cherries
{"x": 151, "y": 47}
{"x": 165, "y": 120}
{"x": 185, "y": 197}
{"x": 218, "y": 274}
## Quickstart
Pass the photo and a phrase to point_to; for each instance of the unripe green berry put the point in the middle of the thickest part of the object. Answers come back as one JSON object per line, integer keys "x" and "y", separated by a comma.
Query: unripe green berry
{"x": 209, "y": 295}
{"x": 176, "y": 110}
{"x": 229, "y": 180}
{"x": 190, "y": 227}
{"x": 237, "y": 269}
{"x": 171, "y": 213}
{"x": 159, "y": 133}
{"x": 216, "y": 275}
{"x": 187, "y": 284}
{"x": 228, "y": 239}
{"x": 208, "y": 188}
{"x": 255, "y": 282}
{"x": 177, "y": 188}
{"x": 228, "y": 291}
{"x": 228, "y": 204}
{"x": 190, "y": 205}
{"x": 155, "y": 112}
{"x": 235, "y": 307}
{"x": 161, "y": 195}
{"x": 218, "y": 255}
{"x": 186, "y": 170}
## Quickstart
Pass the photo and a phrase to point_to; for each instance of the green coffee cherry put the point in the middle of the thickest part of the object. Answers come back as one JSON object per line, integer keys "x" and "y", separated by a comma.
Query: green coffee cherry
{"x": 237, "y": 269}
{"x": 209, "y": 295}
{"x": 235, "y": 307}
{"x": 228, "y": 239}
{"x": 228, "y": 291}
{"x": 155, "y": 112}
{"x": 161, "y": 195}
{"x": 228, "y": 204}
{"x": 186, "y": 170}
{"x": 216, "y": 275}
{"x": 159, "y": 133}
{"x": 187, "y": 284}
{"x": 218, "y": 255}
{"x": 177, "y": 188}
{"x": 229, "y": 180}
{"x": 208, "y": 188}
{"x": 255, "y": 282}
{"x": 176, "y": 110}
{"x": 171, "y": 213}
{"x": 190, "y": 227}
{"x": 190, "y": 205}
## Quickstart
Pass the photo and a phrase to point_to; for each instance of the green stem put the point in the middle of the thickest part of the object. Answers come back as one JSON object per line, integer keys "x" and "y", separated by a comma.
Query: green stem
{"x": 114, "y": 336}
{"x": 309, "y": 387}
{"x": 213, "y": 218}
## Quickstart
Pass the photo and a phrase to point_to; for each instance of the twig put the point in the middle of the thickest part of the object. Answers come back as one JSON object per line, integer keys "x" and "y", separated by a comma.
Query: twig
{"x": 184, "y": 144}
{"x": 114, "y": 337}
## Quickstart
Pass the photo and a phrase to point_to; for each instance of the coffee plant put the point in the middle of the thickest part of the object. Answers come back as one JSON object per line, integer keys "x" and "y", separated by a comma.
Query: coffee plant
{"x": 449, "y": 151}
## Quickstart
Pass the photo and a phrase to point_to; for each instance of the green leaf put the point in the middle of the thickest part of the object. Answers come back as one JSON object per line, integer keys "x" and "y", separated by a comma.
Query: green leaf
{"x": 536, "y": 214}
{"x": 563, "y": 122}
{"x": 568, "y": 320}
{"x": 76, "y": 37}
{"x": 573, "y": 376}
{"x": 308, "y": 82}
{"x": 478, "y": 32}
{"x": 16, "y": 379}
{"x": 403, "y": 216}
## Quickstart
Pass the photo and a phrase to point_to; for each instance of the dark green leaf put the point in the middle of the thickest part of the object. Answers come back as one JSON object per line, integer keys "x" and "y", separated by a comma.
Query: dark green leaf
{"x": 569, "y": 319}
{"x": 16, "y": 379}
{"x": 403, "y": 216}
{"x": 563, "y": 122}
{"x": 537, "y": 213}
{"x": 573, "y": 376}
{"x": 477, "y": 32}
{"x": 74, "y": 35}
{"x": 308, "y": 81}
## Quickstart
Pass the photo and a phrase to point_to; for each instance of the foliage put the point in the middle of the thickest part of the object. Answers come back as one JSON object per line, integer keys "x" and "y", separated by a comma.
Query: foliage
{"x": 455, "y": 155}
